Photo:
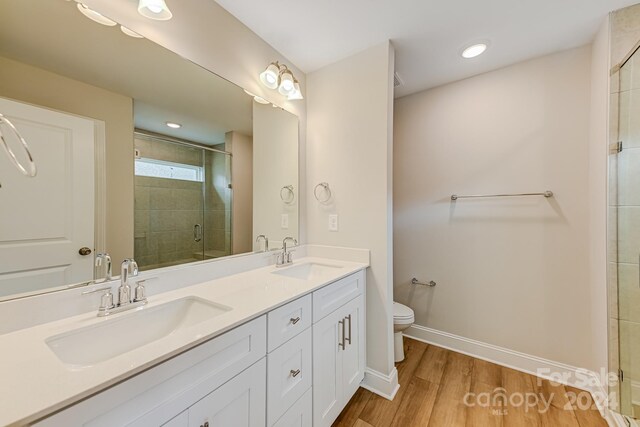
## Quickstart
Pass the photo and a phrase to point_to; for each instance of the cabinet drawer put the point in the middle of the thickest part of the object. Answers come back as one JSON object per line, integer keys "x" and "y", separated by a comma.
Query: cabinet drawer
{"x": 162, "y": 392}
{"x": 334, "y": 296}
{"x": 289, "y": 374}
{"x": 288, "y": 321}
{"x": 300, "y": 414}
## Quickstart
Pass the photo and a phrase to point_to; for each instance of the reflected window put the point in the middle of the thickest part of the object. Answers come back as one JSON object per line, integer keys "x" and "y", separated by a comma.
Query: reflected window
{"x": 161, "y": 169}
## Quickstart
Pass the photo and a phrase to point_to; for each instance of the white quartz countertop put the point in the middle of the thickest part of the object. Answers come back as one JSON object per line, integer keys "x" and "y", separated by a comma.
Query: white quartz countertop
{"x": 35, "y": 383}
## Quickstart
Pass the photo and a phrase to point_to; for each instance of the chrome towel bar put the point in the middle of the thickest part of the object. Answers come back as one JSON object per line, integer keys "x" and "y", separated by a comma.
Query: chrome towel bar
{"x": 547, "y": 194}
{"x": 415, "y": 281}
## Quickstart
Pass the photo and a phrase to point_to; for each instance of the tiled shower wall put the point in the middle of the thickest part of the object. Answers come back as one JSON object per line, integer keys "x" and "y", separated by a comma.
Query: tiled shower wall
{"x": 166, "y": 210}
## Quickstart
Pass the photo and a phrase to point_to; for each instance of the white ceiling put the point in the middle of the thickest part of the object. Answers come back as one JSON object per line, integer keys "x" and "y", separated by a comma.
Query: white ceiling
{"x": 427, "y": 34}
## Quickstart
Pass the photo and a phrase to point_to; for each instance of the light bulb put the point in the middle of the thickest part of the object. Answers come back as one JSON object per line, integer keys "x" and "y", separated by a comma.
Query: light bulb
{"x": 173, "y": 125}
{"x": 269, "y": 77}
{"x": 154, "y": 9}
{"x": 286, "y": 83}
{"x": 95, "y": 16}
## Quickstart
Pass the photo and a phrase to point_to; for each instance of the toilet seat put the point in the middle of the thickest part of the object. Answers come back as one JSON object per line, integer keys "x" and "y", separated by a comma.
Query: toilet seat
{"x": 402, "y": 313}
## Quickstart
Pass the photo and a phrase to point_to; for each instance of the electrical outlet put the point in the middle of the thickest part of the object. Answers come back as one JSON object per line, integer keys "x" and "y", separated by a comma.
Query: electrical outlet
{"x": 284, "y": 221}
{"x": 333, "y": 222}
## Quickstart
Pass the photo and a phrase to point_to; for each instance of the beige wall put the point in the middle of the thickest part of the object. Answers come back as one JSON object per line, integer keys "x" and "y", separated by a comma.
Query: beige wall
{"x": 510, "y": 272}
{"x": 275, "y": 165}
{"x": 205, "y": 33}
{"x": 350, "y": 120}
{"x": 36, "y": 86}
{"x": 241, "y": 147}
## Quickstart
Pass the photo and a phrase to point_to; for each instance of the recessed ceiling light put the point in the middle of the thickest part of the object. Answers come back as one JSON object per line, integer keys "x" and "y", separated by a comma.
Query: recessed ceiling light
{"x": 474, "y": 50}
{"x": 95, "y": 16}
{"x": 174, "y": 125}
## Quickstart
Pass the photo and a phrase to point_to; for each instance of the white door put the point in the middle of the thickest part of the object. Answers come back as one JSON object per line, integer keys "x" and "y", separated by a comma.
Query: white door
{"x": 327, "y": 369}
{"x": 45, "y": 220}
{"x": 241, "y": 402}
{"x": 353, "y": 356}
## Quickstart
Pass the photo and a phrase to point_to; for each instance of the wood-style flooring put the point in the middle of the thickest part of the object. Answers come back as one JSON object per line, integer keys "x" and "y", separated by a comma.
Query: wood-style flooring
{"x": 433, "y": 385}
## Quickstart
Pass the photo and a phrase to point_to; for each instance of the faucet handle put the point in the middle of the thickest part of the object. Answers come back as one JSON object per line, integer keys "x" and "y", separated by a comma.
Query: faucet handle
{"x": 106, "y": 301}
{"x": 140, "y": 293}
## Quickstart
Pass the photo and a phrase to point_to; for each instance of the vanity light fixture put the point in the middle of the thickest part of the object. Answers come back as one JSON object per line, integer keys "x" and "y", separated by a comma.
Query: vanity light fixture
{"x": 269, "y": 77}
{"x": 130, "y": 33}
{"x": 173, "y": 125}
{"x": 295, "y": 93}
{"x": 279, "y": 76}
{"x": 95, "y": 16}
{"x": 474, "y": 50}
{"x": 154, "y": 9}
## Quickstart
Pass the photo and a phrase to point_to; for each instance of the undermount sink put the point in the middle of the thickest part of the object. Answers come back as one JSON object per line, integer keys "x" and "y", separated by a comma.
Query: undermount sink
{"x": 93, "y": 344}
{"x": 308, "y": 271}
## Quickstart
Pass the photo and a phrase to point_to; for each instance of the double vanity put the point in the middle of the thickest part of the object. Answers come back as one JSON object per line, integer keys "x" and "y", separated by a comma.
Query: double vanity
{"x": 265, "y": 347}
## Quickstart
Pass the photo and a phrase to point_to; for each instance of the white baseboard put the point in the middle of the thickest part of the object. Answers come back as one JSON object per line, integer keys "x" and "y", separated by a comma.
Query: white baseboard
{"x": 383, "y": 385}
{"x": 559, "y": 372}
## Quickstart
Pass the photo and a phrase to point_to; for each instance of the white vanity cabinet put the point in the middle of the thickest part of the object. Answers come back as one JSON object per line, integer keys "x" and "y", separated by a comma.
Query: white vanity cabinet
{"x": 232, "y": 364}
{"x": 296, "y": 366}
{"x": 338, "y": 347}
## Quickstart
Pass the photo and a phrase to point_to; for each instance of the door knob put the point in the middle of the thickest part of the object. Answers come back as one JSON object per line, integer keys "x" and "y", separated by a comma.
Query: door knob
{"x": 84, "y": 251}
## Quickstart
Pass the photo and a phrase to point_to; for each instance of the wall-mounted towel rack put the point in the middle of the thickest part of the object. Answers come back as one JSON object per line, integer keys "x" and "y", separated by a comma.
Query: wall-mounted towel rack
{"x": 547, "y": 193}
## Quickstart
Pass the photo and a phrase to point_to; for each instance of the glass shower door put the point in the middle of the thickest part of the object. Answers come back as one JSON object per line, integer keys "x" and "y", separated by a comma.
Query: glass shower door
{"x": 625, "y": 202}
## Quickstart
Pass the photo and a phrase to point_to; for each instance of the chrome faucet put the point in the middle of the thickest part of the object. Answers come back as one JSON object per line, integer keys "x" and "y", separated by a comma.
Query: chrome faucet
{"x": 104, "y": 256}
{"x": 128, "y": 267}
{"x": 266, "y": 242}
{"x": 285, "y": 257}
{"x": 125, "y": 299}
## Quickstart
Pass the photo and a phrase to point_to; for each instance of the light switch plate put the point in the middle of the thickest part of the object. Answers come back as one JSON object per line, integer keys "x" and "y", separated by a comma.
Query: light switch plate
{"x": 333, "y": 222}
{"x": 284, "y": 221}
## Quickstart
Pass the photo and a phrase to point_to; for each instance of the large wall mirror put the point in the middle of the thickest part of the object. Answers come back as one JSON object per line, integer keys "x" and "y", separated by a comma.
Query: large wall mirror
{"x": 140, "y": 154}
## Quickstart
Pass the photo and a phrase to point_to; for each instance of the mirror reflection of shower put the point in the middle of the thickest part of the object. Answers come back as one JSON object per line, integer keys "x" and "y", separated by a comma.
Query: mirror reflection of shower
{"x": 183, "y": 201}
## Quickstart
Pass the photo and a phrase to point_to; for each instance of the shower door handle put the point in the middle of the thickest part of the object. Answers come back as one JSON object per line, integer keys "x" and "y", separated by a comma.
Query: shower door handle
{"x": 197, "y": 232}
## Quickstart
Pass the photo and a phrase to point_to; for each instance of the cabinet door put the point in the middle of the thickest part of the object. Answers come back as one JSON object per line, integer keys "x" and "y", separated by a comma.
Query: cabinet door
{"x": 241, "y": 402}
{"x": 327, "y": 370}
{"x": 353, "y": 356}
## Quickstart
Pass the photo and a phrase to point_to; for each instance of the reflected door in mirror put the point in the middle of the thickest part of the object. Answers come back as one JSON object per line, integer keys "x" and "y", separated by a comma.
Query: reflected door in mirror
{"x": 45, "y": 221}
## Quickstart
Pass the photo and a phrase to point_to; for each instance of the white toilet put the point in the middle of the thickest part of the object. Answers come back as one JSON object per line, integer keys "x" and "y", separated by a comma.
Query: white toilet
{"x": 403, "y": 317}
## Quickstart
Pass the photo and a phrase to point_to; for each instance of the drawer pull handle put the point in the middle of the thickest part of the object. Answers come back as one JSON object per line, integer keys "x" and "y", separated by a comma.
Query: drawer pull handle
{"x": 349, "y": 339}
{"x": 295, "y": 373}
{"x": 295, "y": 320}
{"x": 341, "y": 344}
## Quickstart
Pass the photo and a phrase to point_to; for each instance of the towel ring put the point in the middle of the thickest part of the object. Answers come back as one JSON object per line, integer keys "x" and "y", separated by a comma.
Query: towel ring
{"x": 287, "y": 195}
{"x": 28, "y": 170}
{"x": 327, "y": 192}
